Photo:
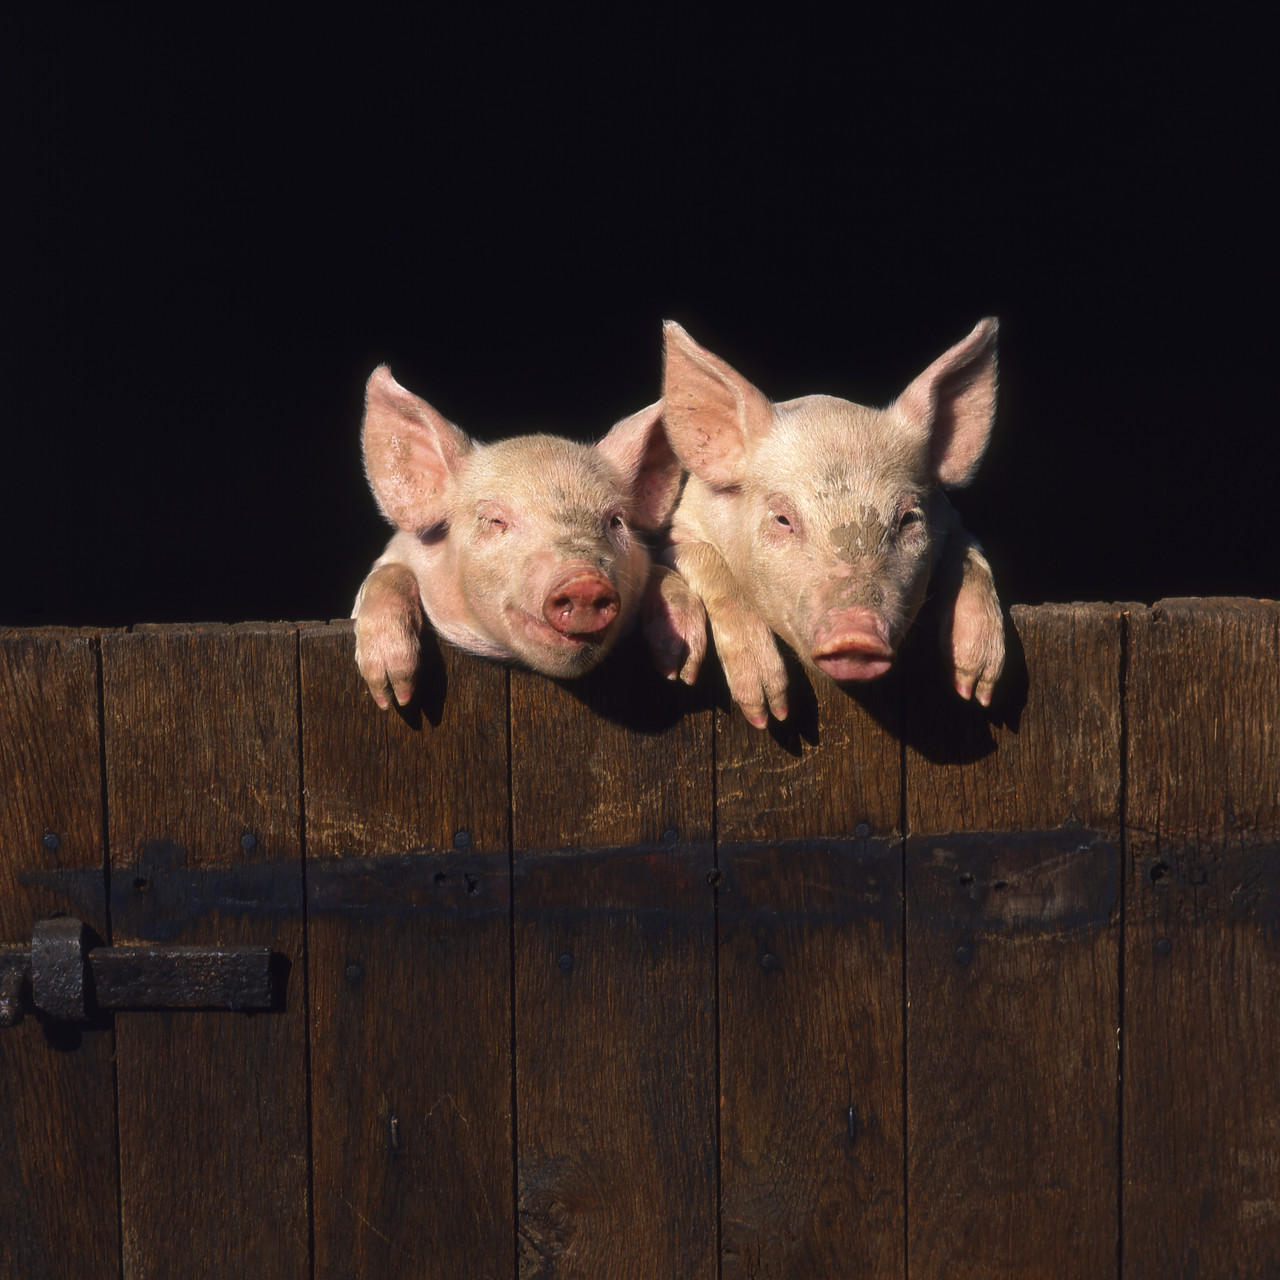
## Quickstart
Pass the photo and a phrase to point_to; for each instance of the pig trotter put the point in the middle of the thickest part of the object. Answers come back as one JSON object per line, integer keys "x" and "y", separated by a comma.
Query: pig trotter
{"x": 973, "y": 627}
{"x": 388, "y": 616}
{"x": 751, "y": 661}
{"x": 745, "y": 644}
{"x": 675, "y": 625}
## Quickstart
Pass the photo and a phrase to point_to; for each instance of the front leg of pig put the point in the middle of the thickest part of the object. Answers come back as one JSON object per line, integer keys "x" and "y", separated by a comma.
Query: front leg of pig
{"x": 675, "y": 625}
{"x": 972, "y": 625}
{"x": 748, "y": 651}
{"x": 388, "y": 614}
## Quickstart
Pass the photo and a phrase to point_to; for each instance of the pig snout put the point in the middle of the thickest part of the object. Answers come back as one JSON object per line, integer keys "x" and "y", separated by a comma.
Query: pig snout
{"x": 853, "y": 645}
{"x": 583, "y": 603}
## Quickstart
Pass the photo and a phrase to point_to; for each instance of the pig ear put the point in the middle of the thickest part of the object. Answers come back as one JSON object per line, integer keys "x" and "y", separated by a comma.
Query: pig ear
{"x": 638, "y": 447}
{"x": 712, "y": 410}
{"x": 952, "y": 404}
{"x": 411, "y": 453}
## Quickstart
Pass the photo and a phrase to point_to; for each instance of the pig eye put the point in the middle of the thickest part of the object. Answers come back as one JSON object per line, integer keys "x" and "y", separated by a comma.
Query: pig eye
{"x": 908, "y": 519}
{"x": 779, "y": 509}
{"x": 615, "y": 522}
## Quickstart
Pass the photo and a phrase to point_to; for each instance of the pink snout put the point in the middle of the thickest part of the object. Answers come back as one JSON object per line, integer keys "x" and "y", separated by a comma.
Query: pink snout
{"x": 583, "y": 603}
{"x": 853, "y": 645}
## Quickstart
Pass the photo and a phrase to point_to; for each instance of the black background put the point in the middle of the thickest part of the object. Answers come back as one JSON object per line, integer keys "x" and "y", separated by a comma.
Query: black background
{"x": 216, "y": 227}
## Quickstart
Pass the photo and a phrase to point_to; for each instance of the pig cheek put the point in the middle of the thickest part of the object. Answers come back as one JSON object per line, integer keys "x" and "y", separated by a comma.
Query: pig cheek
{"x": 794, "y": 590}
{"x": 485, "y": 575}
{"x": 494, "y": 572}
{"x": 525, "y": 592}
{"x": 630, "y": 577}
{"x": 912, "y": 598}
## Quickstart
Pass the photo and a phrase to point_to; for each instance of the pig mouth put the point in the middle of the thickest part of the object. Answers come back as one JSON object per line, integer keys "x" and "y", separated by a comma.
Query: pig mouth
{"x": 543, "y": 633}
{"x": 860, "y": 657}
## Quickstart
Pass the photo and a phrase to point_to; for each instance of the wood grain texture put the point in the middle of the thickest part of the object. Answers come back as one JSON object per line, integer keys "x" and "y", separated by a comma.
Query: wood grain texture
{"x": 614, "y": 976}
{"x": 57, "y": 1092}
{"x": 1202, "y": 955}
{"x": 410, "y": 964}
{"x": 1013, "y": 961}
{"x": 204, "y": 819}
{"x": 811, "y": 988}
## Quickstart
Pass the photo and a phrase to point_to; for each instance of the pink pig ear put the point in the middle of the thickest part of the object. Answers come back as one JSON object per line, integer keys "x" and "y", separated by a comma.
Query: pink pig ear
{"x": 952, "y": 404}
{"x": 411, "y": 453}
{"x": 712, "y": 411}
{"x": 638, "y": 447}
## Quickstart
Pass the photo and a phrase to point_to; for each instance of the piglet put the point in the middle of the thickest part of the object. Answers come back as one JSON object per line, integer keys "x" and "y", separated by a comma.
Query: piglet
{"x": 823, "y": 522}
{"x": 528, "y": 550}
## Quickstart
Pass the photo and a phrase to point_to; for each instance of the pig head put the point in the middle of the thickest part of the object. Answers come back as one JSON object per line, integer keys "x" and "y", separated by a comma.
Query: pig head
{"x": 527, "y": 550}
{"x": 821, "y": 521}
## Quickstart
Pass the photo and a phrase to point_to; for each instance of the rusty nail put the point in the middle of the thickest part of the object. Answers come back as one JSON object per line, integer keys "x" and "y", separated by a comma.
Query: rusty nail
{"x": 565, "y": 962}
{"x": 1163, "y": 947}
{"x": 248, "y": 842}
{"x": 770, "y": 963}
{"x": 462, "y": 839}
{"x": 964, "y": 953}
{"x": 354, "y": 973}
{"x": 52, "y": 841}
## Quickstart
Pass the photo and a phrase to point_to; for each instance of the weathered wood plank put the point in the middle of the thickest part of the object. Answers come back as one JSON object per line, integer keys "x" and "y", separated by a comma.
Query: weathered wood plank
{"x": 1202, "y": 949}
{"x": 57, "y": 1093}
{"x": 410, "y": 966}
{"x": 614, "y": 974}
{"x": 811, "y": 988}
{"x": 204, "y": 816}
{"x": 1013, "y": 961}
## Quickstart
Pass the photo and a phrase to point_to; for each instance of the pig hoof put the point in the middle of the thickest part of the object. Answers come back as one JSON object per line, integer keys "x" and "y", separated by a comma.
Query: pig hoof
{"x": 977, "y": 656}
{"x": 760, "y": 689}
{"x": 388, "y": 662}
{"x": 675, "y": 625}
{"x": 973, "y": 635}
{"x": 752, "y": 664}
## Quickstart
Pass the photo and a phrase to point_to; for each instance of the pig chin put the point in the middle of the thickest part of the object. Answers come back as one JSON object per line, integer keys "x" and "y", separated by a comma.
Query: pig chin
{"x": 551, "y": 652}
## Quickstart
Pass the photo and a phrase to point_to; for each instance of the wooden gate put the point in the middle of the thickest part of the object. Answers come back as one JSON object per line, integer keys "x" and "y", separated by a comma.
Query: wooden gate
{"x": 596, "y": 981}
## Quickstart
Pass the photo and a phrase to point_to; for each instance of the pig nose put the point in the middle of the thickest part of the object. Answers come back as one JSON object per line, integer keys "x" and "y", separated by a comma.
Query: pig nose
{"x": 583, "y": 604}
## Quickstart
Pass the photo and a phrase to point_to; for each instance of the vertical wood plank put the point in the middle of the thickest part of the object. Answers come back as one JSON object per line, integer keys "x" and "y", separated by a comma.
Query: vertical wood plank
{"x": 615, "y": 996}
{"x": 1202, "y": 954}
{"x": 202, "y": 785}
{"x": 811, "y": 988}
{"x": 410, "y": 963}
{"x": 1012, "y": 963}
{"x": 57, "y": 1094}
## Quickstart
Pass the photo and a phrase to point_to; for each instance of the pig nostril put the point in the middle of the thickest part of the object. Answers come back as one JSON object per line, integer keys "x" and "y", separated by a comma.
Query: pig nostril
{"x": 583, "y": 607}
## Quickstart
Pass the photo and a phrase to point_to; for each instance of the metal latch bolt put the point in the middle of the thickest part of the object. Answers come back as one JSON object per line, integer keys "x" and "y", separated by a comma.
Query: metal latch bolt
{"x": 71, "y": 981}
